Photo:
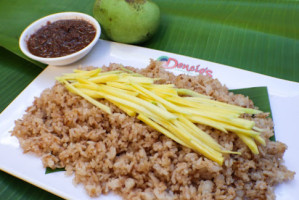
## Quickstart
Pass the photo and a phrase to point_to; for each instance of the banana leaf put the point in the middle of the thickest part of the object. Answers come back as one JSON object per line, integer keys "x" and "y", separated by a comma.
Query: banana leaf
{"x": 12, "y": 188}
{"x": 256, "y": 35}
{"x": 49, "y": 170}
{"x": 260, "y": 36}
{"x": 260, "y": 97}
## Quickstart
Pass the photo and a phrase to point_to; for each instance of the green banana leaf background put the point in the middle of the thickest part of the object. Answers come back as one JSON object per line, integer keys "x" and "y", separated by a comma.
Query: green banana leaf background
{"x": 256, "y": 35}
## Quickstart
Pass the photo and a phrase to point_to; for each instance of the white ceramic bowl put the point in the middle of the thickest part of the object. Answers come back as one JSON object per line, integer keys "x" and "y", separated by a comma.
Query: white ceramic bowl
{"x": 63, "y": 60}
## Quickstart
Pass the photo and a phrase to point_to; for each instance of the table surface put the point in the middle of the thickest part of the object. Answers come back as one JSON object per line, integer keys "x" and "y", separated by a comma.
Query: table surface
{"x": 257, "y": 36}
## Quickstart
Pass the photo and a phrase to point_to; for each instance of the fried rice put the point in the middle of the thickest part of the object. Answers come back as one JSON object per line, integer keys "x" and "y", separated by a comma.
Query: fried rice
{"x": 120, "y": 154}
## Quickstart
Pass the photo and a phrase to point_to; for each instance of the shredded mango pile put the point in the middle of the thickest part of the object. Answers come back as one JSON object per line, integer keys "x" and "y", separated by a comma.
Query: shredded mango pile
{"x": 169, "y": 110}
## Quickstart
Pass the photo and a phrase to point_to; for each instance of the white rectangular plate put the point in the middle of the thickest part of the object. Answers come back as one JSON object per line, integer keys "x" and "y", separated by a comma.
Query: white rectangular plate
{"x": 284, "y": 101}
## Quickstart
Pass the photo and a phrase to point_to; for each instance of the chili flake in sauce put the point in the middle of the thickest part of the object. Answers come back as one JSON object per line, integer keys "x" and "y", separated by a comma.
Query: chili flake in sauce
{"x": 61, "y": 38}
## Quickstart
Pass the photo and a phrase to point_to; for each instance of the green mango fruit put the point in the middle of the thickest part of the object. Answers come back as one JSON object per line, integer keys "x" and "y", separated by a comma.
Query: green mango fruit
{"x": 127, "y": 21}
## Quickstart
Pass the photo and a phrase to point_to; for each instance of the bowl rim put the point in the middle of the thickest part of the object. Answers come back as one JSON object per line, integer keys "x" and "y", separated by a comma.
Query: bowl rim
{"x": 25, "y": 35}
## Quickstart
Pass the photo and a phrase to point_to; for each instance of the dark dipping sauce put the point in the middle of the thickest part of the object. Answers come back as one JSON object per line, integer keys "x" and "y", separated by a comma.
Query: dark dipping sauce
{"x": 61, "y": 38}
